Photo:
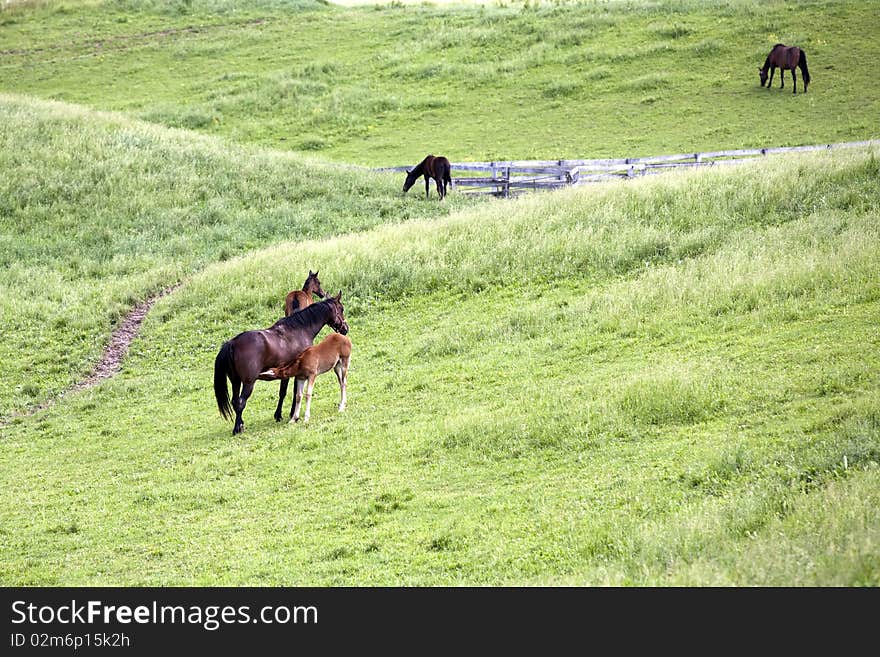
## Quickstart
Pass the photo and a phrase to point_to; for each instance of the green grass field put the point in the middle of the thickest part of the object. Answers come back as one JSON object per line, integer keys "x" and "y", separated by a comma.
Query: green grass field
{"x": 666, "y": 381}
{"x": 386, "y": 85}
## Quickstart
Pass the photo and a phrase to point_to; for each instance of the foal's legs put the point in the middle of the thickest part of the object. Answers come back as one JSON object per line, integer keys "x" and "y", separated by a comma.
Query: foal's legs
{"x": 309, "y": 388}
{"x": 239, "y": 403}
{"x": 282, "y": 393}
{"x": 341, "y": 369}
{"x": 427, "y": 186}
{"x": 794, "y": 80}
{"x": 770, "y": 82}
{"x": 297, "y": 399}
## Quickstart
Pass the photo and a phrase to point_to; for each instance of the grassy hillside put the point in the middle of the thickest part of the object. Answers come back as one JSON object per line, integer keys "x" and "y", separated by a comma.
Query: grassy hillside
{"x": 98, "y": 211}
{"x": 385, "y": 85}
{"x": 668, "y": 381}
{"x": 662, "y": 381}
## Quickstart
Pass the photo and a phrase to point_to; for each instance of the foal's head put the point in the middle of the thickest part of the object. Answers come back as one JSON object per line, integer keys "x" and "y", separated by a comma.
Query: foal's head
{"x": 313, "y": 285}
{"x": 763, "y": 74}
{"x": 337, "y": 314}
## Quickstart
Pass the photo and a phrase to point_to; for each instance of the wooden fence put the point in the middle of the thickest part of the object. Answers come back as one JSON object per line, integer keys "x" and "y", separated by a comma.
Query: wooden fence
{"x": 515, "y": 176}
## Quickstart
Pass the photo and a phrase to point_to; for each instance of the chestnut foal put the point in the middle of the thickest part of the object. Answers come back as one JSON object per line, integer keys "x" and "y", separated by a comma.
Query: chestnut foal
{"x": 299, "y": 299}
{"x": 332, "y": 353}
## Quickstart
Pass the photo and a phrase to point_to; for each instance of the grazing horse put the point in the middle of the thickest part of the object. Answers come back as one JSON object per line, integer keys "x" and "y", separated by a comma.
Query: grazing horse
{"x": 243, "y": 358}
{"x": 333, "y": 353}
{"x": 299, "y": 299}
{"x": 437, "y": 168}
{"x": 786, "y": 58}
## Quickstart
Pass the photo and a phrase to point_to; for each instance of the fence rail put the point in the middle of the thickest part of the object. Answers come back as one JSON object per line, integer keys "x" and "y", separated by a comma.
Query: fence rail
{"x": 505, "y": 178}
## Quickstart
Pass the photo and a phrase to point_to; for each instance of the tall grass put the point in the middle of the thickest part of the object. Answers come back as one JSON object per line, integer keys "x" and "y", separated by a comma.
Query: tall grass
{"x": 556, "y": 80}
{"x": 744, "y": 231}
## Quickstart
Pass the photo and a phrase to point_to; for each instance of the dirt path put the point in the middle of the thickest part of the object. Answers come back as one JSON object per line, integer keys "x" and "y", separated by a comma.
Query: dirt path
{"x": 120, "y": 341}
{"x": 111, "y": 360}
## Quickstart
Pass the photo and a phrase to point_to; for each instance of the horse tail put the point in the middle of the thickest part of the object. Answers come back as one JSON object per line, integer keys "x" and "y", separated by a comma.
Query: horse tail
{"x": 447, "y": 172}
{"x": 802, "y": 64}
{"x": 222, "y": 367}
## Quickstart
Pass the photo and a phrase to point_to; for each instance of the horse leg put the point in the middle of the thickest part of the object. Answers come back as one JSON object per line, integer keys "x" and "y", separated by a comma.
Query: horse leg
{"x": 310, "y": 386}
{"x": 297, "y": 398}
{"x": 794, "y": 80}
{"x": 427, "y": 187}
{"x": 246, "y": 390}
{"x": 282, "y": 393}
{"x": 441, "y": 191}
{"x": 770, "y": 81}
{"x": 236, "y": 392}
{"x": 341, "y": 370}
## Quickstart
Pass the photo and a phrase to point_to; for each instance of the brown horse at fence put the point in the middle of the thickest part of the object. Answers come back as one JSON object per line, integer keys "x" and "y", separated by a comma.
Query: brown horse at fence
{"x": 437, "y": 168}
{"x": 333, "y": 353}
{"x": 299, "y": 299}
{"x": 786, "y": 58}
{"x": 243, "y": 358}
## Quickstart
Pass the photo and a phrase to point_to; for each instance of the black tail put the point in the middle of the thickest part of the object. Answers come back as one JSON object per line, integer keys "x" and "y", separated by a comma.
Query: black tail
{"x": 222, "y": 365}
{"x": 805, "y": 72}
{"x": 447, "y": 174}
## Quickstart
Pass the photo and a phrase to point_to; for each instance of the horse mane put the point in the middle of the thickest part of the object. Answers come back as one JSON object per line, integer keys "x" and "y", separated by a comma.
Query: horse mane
{"x": 419, "y": 169}
{"x": 306, "y": 316}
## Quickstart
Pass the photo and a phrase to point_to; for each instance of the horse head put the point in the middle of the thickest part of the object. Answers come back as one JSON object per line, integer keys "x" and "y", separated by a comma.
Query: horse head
{"x": 762, "y": 72}
{"x": 313, "y": 284}
{"x": 337, "y": 315}
{"x": 410, "y": 180}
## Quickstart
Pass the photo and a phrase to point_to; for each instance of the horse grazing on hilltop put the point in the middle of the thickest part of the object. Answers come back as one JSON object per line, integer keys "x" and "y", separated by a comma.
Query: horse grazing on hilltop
{"x": 437, "y": 168}
{"x": 243, "y": 358}
{"x": 333, "y": 353}
{"x": 299, "y": 299}
{"x": 786, "y": 58}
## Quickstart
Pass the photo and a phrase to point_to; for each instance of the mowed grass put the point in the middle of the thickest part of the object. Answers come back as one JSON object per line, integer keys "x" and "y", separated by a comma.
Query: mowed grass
{"x": 98, "y": 211}
{"x": 665, "y": 381}
{"x": 385, "y": 85}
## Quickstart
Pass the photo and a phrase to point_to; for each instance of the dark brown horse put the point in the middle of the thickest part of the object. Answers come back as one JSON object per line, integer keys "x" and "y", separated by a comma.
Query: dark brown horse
{"x": 437, "y": 168}
{"x": 786, "y": 58}
{"x": 299, "y": 299}
{"x": 243, "y": 358}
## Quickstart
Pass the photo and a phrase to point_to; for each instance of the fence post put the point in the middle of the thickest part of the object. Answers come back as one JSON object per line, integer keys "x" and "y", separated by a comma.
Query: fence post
{"x": 507, "y": 182}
